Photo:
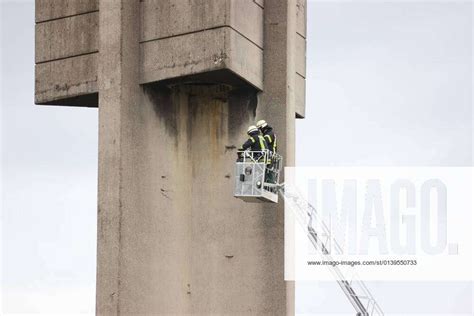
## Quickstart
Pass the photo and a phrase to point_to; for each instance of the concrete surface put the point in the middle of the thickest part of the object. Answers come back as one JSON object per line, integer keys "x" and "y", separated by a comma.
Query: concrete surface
{"x": 181, "y": 38}
{"x": 184, "y": 244}
{"x": 171, "y": 237}
{"x": 53, "y": 9}
{"x": 162, "y": 19}
{"x": 178, "y": 38}
{"x": 300, "y": 96}
{"x": 300, "y": 58}
{"x": 278, "y": 97}
{"x": 66, "y": 78}
{"x": 199, "y": 52}
{"x": 301, "y": 17}
{"x": 62, "y": 38}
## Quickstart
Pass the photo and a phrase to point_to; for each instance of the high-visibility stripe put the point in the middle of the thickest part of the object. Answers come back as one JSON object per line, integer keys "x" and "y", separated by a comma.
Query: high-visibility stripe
{"x": 253, "y": 140}
{"x": 262, "y": 142}
{"x": 274, "y": 147}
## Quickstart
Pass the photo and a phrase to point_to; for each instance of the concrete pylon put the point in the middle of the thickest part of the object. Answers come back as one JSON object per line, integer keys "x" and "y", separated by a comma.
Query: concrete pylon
{"x": 177, "y": 83}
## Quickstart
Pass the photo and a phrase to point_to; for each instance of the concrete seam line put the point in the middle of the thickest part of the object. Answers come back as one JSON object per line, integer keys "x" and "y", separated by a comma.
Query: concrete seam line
{"x": 65, "y": 17}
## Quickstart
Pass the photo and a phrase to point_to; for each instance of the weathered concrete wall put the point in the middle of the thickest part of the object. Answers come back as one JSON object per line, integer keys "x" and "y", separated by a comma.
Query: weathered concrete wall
{"x": 200, "y": 52}
{"x": 160, "y": 19}
{"x": 187, "y": 246}
{"x": 177, "y": 38}
{"x": 300, "y": 58}
{"x": 68, "y": 37}
{"x": 171, "y": 237}
{"x": 66, "y": 52}
{"x": 46, "y": 10}
{"x": 58, "y": 80}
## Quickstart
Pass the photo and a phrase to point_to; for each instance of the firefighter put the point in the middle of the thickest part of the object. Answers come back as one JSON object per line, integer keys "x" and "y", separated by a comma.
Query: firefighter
{"x": 256, "y": 142}
{"x": 270, "y": 139}
{"x": 268, "y": 135}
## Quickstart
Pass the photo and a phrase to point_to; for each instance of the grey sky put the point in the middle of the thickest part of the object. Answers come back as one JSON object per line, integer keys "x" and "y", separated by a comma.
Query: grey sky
{"x": 49, "y": 185}
{"x": 389, "y": 83}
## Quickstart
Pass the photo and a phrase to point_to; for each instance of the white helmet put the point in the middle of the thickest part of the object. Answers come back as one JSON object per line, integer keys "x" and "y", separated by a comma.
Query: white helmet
{"x": 261, "y": 124}
{"x": 252, "y": 129}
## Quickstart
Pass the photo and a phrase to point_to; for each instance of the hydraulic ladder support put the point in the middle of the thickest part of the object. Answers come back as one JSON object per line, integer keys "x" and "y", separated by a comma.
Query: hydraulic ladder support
{"x": 303, "y": 209}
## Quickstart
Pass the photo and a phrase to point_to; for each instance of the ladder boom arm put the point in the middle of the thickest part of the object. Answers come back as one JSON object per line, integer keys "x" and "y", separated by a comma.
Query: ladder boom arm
{"x": 303, "y": 210}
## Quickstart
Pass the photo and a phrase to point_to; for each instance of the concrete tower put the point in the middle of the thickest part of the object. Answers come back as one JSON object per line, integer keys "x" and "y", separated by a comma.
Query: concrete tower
{"x": 177, "y": 82}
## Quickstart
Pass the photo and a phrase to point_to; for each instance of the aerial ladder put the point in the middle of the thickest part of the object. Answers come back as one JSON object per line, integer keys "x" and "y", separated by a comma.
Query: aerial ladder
{"x": 257, "y": 180}
{"x": 320, "y": 237}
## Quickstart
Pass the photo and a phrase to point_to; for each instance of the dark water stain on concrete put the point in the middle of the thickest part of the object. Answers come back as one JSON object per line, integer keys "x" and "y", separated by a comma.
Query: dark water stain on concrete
{"x": 243, "y": 104}
{"x": 160, "y": 96}
{"x": 230, "y": 148}
{"x": 216, "y": 112}
{"x": 192, "y": 114}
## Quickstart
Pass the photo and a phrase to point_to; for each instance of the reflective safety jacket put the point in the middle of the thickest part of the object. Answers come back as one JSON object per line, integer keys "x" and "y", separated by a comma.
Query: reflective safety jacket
{"x": 270, "y": 138}
{"x": 256, "y": 142}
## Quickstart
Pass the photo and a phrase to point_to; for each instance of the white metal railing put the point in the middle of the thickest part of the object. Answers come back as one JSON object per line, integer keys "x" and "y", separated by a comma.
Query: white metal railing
{"x": 249, "y": 156}
{"x": 273, "y": 164}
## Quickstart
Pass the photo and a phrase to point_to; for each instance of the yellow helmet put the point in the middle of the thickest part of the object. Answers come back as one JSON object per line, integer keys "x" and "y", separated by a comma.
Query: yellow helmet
{"x": 252, "y": 129}
{"x": 261, "y": 124}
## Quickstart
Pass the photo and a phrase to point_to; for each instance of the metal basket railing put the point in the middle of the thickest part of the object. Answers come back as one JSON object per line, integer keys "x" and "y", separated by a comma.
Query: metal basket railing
{"x": 272, "y": 163}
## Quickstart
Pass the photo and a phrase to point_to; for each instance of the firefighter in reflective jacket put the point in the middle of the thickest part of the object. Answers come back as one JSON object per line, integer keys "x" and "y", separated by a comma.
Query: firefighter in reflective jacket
{"x": 256, "y": 142}
{"x": 270, "y": 139}
{"x": 268, "y": 135}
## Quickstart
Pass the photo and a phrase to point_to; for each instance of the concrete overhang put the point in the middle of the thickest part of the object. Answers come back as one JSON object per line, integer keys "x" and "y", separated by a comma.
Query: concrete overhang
{"x": 192, "y": 41}
{"x": 219, "y": 41}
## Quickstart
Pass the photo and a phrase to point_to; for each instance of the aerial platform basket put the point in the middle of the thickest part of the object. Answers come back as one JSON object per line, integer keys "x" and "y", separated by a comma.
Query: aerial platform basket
{"x": 256, "y": 176}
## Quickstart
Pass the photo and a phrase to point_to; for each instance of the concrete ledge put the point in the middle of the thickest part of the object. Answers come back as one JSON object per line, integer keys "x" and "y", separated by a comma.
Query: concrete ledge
{"x": 300, "y": 96}
{"x": 246, "y": 59}
{"x": 196, "y": 57}
{"x": 201, "y": 52}
{"x": 247, "y": 18}
{"x": 180, "y": 39}
{"x": 67, "y": 37}
{"x": 216, "y": 77}
{"x": 259, "y": 2}
{"x": 301, "y": 17}
{"x": 85, "y": 100}
{"x": 66, "y": 78}
{"x": 54, "y": 9}
{"x": 161, "y": 19}
{"x": 300, "y": 59}
{"x": 300, "y": 56}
